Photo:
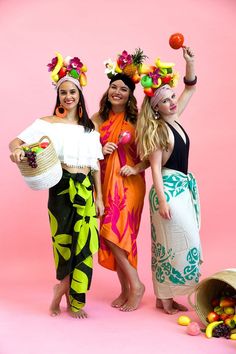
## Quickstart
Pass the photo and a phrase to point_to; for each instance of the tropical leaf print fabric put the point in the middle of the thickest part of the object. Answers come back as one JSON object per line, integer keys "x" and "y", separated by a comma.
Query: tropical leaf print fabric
{"x": 74, "y": 233}
{"x": 176, "y": 249}
{"x": 123, "y": 196}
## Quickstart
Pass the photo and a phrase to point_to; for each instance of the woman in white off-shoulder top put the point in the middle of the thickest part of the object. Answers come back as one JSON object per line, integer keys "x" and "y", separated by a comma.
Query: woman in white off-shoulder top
{"x": 71, "y": 206}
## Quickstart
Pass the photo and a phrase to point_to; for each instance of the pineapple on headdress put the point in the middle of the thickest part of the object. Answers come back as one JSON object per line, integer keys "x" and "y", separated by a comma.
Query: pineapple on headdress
{"x": 128, "y": 64}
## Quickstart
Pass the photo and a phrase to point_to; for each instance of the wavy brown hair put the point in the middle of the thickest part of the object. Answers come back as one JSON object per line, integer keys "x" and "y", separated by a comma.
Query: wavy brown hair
{"x": 131, "y": 110}
{"x": 151, "y": 133}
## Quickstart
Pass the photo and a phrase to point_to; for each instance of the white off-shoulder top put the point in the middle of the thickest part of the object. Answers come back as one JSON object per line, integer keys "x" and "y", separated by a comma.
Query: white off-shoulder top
{"x": 74, "y": 146}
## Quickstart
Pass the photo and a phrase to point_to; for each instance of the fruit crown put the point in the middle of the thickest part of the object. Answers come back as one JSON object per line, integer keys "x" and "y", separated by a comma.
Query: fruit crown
{"x": 160, "y": 74}
{"x": 65, "y": 68}
{"x": 127, "y": 64}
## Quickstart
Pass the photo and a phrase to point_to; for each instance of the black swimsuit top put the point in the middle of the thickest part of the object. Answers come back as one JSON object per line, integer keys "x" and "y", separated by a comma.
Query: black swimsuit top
{"x": 178, "y": 159}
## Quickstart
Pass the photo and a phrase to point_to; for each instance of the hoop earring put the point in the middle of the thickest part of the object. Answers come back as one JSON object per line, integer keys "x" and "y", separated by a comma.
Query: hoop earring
{"x": 156, "y": 115}
{"x": 80, "y": 110}
{"x": 61, "y": 112}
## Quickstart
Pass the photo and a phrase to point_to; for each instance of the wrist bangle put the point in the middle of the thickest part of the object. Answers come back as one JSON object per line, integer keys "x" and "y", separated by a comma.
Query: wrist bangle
{"x": 190, "y": 82}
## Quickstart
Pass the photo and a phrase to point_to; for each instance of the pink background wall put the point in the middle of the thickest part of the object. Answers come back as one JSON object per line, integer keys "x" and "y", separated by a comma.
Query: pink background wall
{"x": 30, "y": 33}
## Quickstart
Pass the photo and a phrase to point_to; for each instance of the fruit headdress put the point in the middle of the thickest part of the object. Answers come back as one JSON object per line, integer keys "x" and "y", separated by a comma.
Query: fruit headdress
{"x": 157, "y": 76}
{"x": 126, "y": 64}
{"x": 69, "y": 68}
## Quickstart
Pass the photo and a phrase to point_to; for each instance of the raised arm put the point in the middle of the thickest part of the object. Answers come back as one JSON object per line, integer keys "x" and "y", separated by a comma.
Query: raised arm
{"x": 190, "y": 80}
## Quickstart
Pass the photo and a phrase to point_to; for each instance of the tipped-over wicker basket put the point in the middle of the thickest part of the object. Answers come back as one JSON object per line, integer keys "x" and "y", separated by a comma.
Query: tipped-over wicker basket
{"x": 211, "y": 288}
{"x": 48, "y": 171}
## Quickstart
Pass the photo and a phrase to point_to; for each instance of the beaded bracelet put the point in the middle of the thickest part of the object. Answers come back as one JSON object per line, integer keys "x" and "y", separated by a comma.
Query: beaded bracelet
{"x": 190, "y": 83}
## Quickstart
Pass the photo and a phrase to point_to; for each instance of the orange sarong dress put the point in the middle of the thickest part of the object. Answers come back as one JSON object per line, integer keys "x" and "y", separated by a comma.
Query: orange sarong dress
{"x": 123, "y": 196}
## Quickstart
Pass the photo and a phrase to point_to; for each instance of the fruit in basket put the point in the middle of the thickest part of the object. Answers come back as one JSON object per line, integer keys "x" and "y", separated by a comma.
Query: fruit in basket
{"x": 229, "y": 310}
{"x": 210, "y": 327}
{"x": 31, "y": 158}
{"x": 230, "y": 322}
{"x": 215, "y": 302}
{"x": 219, "y": 310}
{"x": 212, "y": 317}
{"x": 183, "y": 320}
{"x": 233, "y": 336}
{"x": 222, "y": 330}
{"x": 227, "y": 302}
{"x": 44, "y": 144}
{"x": 193, "y": 329}
{"x": 224, "y": 316}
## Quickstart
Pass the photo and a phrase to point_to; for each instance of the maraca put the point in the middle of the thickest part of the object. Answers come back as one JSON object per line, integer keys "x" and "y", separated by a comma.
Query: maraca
{"x": 124, "y": 138}
{"x": 176, "y": 40}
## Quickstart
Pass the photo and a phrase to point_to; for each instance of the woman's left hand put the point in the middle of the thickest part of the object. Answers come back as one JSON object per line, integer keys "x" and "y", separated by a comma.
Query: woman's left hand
{"x": 188, "y": 54}
{"x": 128, "y": 170}
{"x": 99, "y": 206}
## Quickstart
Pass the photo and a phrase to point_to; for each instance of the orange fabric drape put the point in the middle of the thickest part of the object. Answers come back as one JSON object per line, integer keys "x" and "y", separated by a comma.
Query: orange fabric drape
{"x": 123, "y": 196}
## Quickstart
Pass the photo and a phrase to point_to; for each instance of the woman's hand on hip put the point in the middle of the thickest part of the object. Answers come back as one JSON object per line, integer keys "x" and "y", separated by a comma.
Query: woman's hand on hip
{"x": 109, "y": 148}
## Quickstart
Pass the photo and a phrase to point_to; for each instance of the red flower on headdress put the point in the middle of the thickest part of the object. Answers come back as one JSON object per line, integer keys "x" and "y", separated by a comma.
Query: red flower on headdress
{"x": 124, "y": 59}
{"x": 53, "y": 63}
{"x": 155, "y": 75}
{"x": 76, "y": 64}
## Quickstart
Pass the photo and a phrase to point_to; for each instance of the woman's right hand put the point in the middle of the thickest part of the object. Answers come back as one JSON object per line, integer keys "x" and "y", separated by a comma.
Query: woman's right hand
{"x": 109, "y": 148}
{"x": 164, "y": 210}
{"x": 17, "y": 155}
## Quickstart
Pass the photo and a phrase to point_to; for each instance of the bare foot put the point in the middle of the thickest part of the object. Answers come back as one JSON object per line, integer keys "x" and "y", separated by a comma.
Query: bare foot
{"x": 180, "y": 307}
{"x": 175, "y": 305}
{"x": 134, "y": 299}
{"x": 167, "y": 305}
{"x": 120, "y": 300}
{"x": 78, "y": 314}
{"x": 55, "y": 305}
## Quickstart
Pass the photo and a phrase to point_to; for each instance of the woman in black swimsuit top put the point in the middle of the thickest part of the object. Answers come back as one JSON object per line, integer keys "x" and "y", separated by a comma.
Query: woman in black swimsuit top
{"x": 174, "y": 206}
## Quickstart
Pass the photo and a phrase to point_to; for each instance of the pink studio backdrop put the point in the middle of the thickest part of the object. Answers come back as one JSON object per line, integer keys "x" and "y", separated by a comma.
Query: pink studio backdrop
{"x": 31, "y": 32}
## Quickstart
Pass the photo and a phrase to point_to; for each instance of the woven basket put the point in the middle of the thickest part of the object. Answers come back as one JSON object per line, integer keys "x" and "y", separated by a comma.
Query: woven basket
{"x": 48, "y": 171}
{"x": 211, "y": 288}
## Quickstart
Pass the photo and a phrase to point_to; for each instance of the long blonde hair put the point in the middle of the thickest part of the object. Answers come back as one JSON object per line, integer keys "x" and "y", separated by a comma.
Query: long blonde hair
{"x": 151, "y": 133}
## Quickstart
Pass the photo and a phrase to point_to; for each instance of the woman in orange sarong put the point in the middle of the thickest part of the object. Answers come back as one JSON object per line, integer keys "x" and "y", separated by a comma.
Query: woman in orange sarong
{"x": 123, "y": 187}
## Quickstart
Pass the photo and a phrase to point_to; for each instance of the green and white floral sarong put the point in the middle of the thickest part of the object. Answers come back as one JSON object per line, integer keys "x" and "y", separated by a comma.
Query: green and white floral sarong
{"x": 176, "y": 248}
{"x": 74, "y": 232}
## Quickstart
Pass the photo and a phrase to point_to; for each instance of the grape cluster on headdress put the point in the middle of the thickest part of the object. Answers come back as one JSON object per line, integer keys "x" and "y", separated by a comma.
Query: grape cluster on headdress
{"x": 129, "y": 64}
{"x": 67, "y": 67}
{"x": 155, "y": 76}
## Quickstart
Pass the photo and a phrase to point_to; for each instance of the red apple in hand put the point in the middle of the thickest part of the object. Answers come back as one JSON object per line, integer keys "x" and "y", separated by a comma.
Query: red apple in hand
{"x": 212, "y": 316}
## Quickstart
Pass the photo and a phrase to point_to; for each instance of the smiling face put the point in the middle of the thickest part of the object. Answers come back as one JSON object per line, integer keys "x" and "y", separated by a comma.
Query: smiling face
{"x": 118, "y": 94}
{"x": 168, "y": 103}
{"x": 68, "y": 95}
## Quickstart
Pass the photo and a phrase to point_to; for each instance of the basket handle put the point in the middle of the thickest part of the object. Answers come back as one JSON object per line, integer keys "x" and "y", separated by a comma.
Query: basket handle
{"x": 45, "y": 137}
{"x": 190, "y": 300}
